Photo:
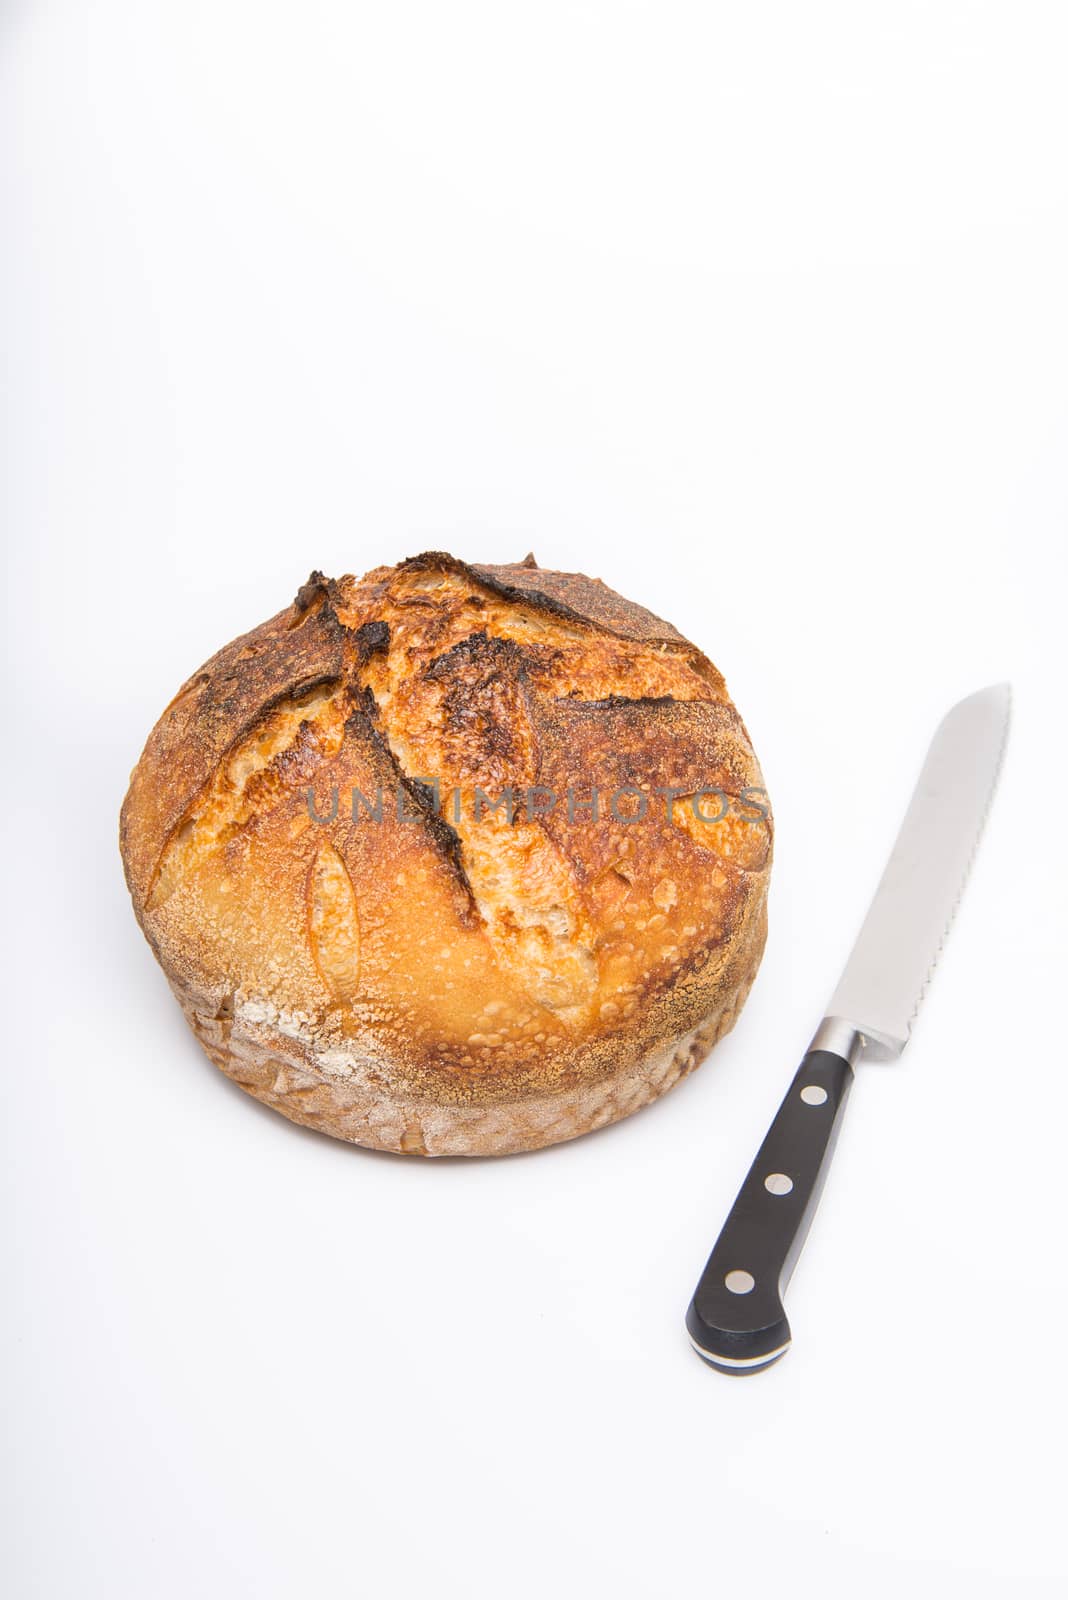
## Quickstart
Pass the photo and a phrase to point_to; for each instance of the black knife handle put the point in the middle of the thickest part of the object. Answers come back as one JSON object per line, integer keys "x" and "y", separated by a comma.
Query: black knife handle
{"x": 736, "y": 1320}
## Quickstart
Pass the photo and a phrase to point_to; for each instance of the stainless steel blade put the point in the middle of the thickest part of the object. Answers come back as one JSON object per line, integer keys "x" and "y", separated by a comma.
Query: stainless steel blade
{"x": 879, "y": 993}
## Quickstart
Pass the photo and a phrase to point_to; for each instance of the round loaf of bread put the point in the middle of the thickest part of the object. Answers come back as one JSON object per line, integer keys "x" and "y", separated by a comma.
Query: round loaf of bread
{"x": 451, "y": 859}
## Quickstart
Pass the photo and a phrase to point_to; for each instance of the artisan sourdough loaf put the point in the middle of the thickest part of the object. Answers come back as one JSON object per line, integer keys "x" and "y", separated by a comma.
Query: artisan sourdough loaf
{"x": 453, "y": 859}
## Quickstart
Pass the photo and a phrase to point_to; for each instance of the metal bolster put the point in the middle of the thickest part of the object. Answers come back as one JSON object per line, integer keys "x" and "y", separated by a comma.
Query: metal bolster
{"x": 839, "y": 1036}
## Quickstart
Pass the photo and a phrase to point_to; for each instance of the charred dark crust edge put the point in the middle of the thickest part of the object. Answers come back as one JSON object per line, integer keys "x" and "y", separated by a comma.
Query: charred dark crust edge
{"x": 486, "y": 650}
{"x": 372, "y": 639}
{"x": 443, "y": 836}
{"x": 540, "y": 598}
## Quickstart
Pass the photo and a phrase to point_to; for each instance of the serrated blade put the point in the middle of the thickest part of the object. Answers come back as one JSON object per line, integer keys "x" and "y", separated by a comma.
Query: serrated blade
{"x": 879, "y": 992}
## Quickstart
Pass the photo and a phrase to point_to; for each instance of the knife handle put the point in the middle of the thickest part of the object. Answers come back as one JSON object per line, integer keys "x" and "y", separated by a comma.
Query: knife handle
{"x": 736, "y": 1320}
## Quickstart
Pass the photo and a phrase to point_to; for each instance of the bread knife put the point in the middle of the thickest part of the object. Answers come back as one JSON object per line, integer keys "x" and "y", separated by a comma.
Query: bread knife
{"x": 736, "y": 1321}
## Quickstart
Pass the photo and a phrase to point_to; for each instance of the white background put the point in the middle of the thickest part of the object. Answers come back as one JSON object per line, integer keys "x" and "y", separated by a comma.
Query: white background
{"x": 760, "y": 314}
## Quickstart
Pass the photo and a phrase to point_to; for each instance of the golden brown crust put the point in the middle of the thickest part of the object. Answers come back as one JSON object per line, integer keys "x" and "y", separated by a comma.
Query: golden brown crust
{"x": 453, "y": 972}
